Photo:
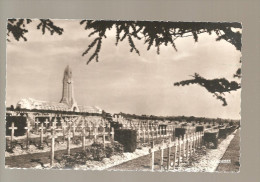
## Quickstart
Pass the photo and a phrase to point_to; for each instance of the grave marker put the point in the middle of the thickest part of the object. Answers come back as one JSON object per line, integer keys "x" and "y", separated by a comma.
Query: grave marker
{"x": 41, "y": 133}
{"x": 151, "y": 150}
{"x": 187, "y": 146}
{"x": 74, "y": 129}
{"x": 161, "y": 148}
{"x": 68, "y": 141}
{"x": 83, "y": 127}
{"x": 184, "y": 143}
{"x": 175, "y": 146}
{"x": 12, "y": 128}
{"x": 168, "y": 156}
{"x": 46, "y": 123}
{"x": 54, "y": 123}
{"x": 53, "y": 136}
{"x": 37, "y": 124}
{"x": 95, "y": 133}
{"x": 64, "y": 127}
{"x": 28, "y": 128}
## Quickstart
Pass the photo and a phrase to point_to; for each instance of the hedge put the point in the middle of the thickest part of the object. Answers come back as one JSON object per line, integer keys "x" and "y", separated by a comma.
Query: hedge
{"x": 222, "y": 133}
{"x": 116, "y": 125}
{"x": 199, "y": 128}
{"x": 128, "y": 138}
{"x": 19, "y": 122}
{"x": 180, "y": 132}
{"x": 211, "y": 137}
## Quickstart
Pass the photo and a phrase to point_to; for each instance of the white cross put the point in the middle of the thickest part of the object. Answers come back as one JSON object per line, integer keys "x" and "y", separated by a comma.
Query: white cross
{"x": 53, "y": 136}
{"x": 53, "y": 129}
{"x": 54, "y": 122}
{"x": 83, "y": 128}
{"x": 74, "y": 127}
{"x": 69, "y": 135}
{"x": 69, "y": 122}
{"x": 152, "y": 132}
{"x": 95, "y": 133}
{"x": 66, "y": 119}
{"x": 28, "y": 127}
{"x": 63, "y": 125}
{"x": 41, "y": 127}
{"x": 68, "y": 141}
{"x": 37, "y": 122}
{"x": 12, "y": 128}
{"x": 46, "y": 122}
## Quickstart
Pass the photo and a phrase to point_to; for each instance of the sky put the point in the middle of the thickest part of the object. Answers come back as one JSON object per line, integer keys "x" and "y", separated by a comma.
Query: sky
{"x": 122, "y": 81}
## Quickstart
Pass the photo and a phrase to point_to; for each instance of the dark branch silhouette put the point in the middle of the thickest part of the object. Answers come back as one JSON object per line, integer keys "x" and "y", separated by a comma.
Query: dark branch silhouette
{"x": 153, "y": 34}
{"x": 218, "y": 87}
{"x": 17, "y": 28}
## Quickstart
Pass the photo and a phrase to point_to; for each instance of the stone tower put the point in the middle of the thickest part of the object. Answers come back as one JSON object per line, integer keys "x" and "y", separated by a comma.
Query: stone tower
{"x": 68, "y": 92}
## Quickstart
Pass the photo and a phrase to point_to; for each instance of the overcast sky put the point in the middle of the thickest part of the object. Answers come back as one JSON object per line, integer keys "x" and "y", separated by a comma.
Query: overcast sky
{"x": 122, "y": 81}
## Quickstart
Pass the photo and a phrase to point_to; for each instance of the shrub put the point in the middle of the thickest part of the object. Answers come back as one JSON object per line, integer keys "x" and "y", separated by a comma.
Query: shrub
{"x": 97, "y": 151}
{"x": 109, "y": 150}
{"x": 71, "y": 161}
{"x": 76, "y": 141}
{"x": 118, "y": 148}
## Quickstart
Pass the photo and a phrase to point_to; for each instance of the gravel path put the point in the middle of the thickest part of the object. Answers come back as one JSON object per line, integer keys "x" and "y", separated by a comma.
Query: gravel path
{"x": 231, "y": 157}
{"x": 201, "y": 163}
{"x": 210, "y": 161}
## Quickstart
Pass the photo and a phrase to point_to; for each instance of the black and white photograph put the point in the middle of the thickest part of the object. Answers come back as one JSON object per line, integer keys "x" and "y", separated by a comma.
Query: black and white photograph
{"x": 158, "y": 96}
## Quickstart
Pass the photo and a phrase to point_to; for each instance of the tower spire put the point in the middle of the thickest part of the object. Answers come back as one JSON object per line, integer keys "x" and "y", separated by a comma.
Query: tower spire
{"x": 68, "y": 92}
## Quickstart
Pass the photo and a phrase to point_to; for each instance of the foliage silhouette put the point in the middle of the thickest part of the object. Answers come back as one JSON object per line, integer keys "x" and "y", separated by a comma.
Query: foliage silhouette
{"x": 154, "y": 34}
{"x": 17, "y": 27}
{"x": 216, "y": 86}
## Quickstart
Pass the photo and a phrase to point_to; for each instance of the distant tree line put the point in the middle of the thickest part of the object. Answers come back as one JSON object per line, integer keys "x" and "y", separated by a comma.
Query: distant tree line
{"x": 188, "y": 119}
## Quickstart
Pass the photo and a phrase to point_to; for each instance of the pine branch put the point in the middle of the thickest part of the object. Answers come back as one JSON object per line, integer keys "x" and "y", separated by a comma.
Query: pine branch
{"x": 218, "y": 86}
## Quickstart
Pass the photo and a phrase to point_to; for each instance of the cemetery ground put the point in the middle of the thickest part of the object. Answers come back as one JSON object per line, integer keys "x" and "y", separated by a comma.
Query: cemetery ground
{"x": 203, "y": 160}
{"x": 91, "y": 143}
{"x": 139, "y": 160}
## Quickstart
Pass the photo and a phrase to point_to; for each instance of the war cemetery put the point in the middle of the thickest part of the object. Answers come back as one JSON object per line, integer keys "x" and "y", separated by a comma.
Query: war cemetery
{"x": 128, "y": 112}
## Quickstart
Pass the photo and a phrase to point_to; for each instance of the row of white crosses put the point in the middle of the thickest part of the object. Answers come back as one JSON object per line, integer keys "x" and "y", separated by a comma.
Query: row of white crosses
{"x": 64, "y": 127}
{"x": 154, "y": 133}
{"x": 181, "y": 148}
